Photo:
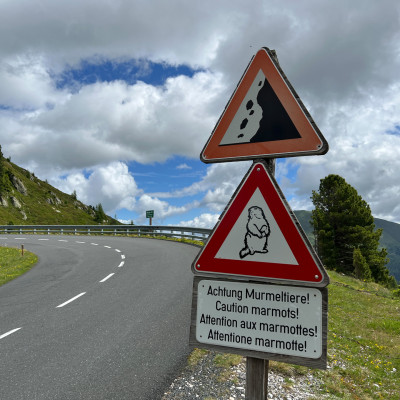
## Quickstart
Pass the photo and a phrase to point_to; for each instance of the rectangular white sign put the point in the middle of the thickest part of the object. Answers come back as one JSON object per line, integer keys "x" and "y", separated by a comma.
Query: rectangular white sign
{"x": 276, "y": 319}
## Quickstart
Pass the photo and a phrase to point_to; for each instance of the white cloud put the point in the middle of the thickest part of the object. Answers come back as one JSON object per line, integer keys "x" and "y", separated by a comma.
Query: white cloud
{"x": 183, "y": 166}
{"x": 104, "y": 122}
{"x": 205, "y": 220}
{"x": 347, "y": 77}
{"x": 111, "y": 185}
{"x": 362, "y": 151}
{"x": 162, "y": 209}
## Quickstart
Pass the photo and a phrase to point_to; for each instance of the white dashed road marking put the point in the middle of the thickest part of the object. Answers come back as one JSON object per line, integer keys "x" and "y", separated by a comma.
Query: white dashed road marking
{"x": 70, "y": 300}
{"x": 118, "y": 251}
{"x": 9, "y": 333}
{"x": 107, "y": 247}
{"x": 107, "y": 277}
{"x": 121, "y": 264}
{"x": 123, "y": 256}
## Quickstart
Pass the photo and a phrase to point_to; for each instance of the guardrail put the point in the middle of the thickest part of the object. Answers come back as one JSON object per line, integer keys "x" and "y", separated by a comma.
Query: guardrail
{"x": 125, "y": 230}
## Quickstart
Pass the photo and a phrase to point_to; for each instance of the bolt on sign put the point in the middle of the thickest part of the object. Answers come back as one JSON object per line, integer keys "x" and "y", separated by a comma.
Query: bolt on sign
{"x": 265, "y": 118}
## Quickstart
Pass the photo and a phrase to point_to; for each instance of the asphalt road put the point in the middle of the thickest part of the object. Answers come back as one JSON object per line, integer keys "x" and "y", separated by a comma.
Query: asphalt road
{"x": 71, "y": 330}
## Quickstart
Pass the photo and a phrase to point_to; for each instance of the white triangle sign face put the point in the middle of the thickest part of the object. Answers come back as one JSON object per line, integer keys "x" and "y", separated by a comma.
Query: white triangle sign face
{"x": 246, "y": 121}
{"x": 259, "y": 237}
{"x": 246, "y": 241}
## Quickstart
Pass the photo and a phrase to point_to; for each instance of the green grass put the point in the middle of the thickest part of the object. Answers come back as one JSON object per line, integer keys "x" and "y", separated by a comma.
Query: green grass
{"x": 363, "y": 341}
{"x": 14, "y": 264}
{"x": 363, "y": 344}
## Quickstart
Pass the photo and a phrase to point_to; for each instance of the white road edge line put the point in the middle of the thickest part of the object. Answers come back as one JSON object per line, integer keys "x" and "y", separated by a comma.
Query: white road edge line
{"x": 9, "y": 333}
{"x": 62, "y": 240}
{"x": 69, "y": 301}
{"x": 94, "y": 244}
{"x": 43, "y": 239}
{"x": 107, "y": 277}
{"x": 20, "y": 238}
{"x": 121, "y": 264}
{"x": 79, "y": 242}
{"x": 118, "y": 251}
{"x": 107, "y": 247}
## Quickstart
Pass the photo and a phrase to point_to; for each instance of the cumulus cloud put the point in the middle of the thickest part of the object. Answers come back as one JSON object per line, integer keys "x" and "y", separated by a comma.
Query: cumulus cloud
{"x": 205, "y": 220}
{"x": 218, "y": 185}
{"x": 342, "y": 58}
{"x": 112, "y": 185}
{"x": 364, "y": 150}
{"x": 162, "y": 209}
{"x": 109, "y": 121}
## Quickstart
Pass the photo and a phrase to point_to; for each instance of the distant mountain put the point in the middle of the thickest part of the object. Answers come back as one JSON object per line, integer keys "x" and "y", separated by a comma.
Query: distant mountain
{"x": 27, "y": 200}
{"x": 390, "y": 239}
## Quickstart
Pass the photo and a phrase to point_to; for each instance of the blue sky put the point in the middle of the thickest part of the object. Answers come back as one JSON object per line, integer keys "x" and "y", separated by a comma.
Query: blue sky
{"x": 130, "y": 71}
{"x": 115, "y": 100}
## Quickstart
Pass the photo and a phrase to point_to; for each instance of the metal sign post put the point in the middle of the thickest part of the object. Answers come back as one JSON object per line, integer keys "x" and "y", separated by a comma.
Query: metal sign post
{"x": 257, "y": 370}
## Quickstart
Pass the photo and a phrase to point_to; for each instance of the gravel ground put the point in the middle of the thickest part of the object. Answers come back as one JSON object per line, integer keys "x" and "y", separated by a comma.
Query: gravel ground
{"x": 207, "y": 381}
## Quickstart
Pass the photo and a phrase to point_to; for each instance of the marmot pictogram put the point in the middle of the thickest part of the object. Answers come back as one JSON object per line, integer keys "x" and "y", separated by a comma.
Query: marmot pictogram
{"x": 258, "y": 230}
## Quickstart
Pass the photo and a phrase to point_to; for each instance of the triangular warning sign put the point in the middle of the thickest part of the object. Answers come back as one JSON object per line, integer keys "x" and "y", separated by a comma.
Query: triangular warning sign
{"x": 264, "y": 118}
{"x": 259, "y": 237}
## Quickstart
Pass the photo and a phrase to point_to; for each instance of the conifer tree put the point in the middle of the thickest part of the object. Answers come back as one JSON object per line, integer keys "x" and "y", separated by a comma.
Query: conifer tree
{"x": 361, "y": 268}
{"x": 100, "y": 215}
{"x": 2, "y": 173}
{"x": 342, "y": 222}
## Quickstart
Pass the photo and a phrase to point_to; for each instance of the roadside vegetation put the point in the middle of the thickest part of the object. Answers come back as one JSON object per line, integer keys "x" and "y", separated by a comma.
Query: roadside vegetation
{"x": 344, "y": 231}
{"x": 363, "y": 346}
{"x": 14, "y": 264}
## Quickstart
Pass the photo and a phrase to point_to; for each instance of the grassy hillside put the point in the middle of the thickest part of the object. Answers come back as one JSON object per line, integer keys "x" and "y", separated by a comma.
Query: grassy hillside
{"x": 363, "y": 344}
{"x": 363, "y": 353}
{"x": 27, "y": 200}
{"x": 390, "y": 239}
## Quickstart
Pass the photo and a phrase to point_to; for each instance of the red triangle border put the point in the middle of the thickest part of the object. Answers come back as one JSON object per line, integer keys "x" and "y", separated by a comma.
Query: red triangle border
{"x": 308, "y": 272}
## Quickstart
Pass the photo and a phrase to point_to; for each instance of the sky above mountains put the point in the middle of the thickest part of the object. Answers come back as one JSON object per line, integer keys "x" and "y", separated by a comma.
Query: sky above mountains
{"x": 116, "y": 99}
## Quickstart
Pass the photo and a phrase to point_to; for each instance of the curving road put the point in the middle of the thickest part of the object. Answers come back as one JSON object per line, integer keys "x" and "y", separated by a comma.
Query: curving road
{"x": 96, "y": 318}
